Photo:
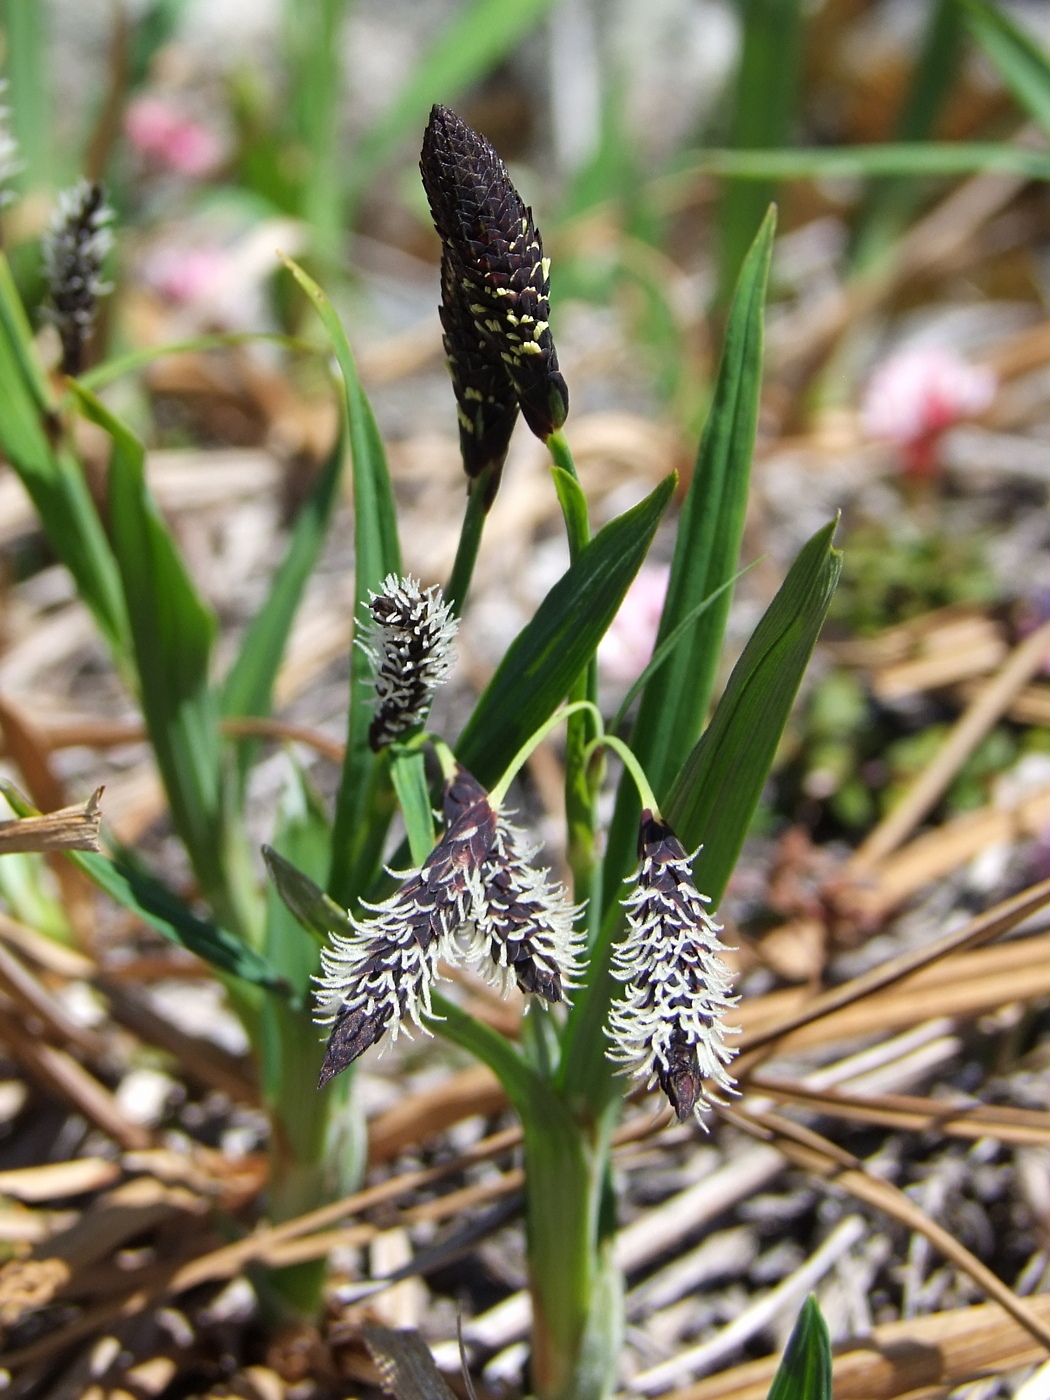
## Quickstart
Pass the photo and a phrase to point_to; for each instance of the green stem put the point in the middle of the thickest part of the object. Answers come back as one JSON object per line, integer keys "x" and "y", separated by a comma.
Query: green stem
{"x": 630, "y": 762}
{"x": 580, "y": 785}
{"x": 469, "y": 541}
{"x": 499, "y": 792}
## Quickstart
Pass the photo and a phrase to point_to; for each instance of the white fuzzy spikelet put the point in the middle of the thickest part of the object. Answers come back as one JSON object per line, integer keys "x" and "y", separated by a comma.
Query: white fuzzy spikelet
{"x": 408, "y": 639}
{"x": 382, "y": 973}
{"x": 668, "y": 1027}
{"x": 522, "y": 928}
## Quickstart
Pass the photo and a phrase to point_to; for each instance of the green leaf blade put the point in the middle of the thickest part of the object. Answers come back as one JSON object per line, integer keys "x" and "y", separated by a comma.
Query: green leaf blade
{"x": 553, "y": 649}
{"x": 804, "y": 1372}
{"x": 377, "y": 553}
{"x": 714, "y": 797}
{"x": 707, "y": 547}
{"x": 1022, "y": 64}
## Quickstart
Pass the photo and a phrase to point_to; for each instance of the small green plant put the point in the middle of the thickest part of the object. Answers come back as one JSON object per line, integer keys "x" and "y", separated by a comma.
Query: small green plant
{"x": 623, "y": 974}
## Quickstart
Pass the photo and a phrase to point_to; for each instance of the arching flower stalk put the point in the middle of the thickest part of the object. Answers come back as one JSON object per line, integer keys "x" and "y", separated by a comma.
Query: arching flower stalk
{"x": 668, "y": 1027}
{"x": 495, "y": 292}
{"x": 75, "y": 249}
{"x": 408, "y": 639}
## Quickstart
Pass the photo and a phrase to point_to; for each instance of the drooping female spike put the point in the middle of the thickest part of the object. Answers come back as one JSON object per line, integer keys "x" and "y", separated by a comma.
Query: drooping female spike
{"x": 496, "y": 285}
{"x": 668, "y": 1027}
{"x": 522, "y": 925}
{"x": 475, "y": 899}
{"x": 383, "y": 973}
{"x": 408, "y": 639}
{"x": 75, "y": 248}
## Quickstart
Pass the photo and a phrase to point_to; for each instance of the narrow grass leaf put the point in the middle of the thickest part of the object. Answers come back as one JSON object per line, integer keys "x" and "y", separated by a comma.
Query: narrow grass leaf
{"x": 889, "y": 204}
{"x": 109, "y": 371}
{"x": 804, "y": 1372}
{"x": 408, "y": 774}
{"x": 318, "y": 914}
{"x": 140, "y": 892}
{"x": 718, "y": 789}
{"x": 376, "y": 554}
{"x": 546, "y": 657}
{"x": 763, "y": 113}
{"x": 707, "y": 546}
{"x": 29, "y": 93}
{"x": 172, "y": 631}
{"x": 248, "y": 688}
{"x": 475, "y": 40}
{"x": 1022, "y": 63}
{"x": 926, "y": 158}
{"x": 153, "y": 902}
{"x": 52, "y": 477}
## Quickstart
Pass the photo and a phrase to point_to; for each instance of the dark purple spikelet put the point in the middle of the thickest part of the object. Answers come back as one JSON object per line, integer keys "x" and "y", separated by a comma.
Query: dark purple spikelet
{"x": 382, "y": 973}
{"x": 486, "y": 404}
{"x": 408, "y": 639}
{"x": 669, "y": 1025}
{"x": 495, "y": 263}
{"x": 75, "y": 248}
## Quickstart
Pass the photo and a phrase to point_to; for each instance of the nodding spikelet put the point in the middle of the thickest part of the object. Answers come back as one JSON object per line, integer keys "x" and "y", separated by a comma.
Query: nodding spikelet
{"x": 382, "y": 974}
{"x": 10, "y": 161}
{"x": 408, "y": 639}
{"x": 474, "y": 899}
{"x": 75, "y": 249}
{"x": 668, "y": 1027}
{"x": 522, "y": 927}
{"x": 495, "y": 261}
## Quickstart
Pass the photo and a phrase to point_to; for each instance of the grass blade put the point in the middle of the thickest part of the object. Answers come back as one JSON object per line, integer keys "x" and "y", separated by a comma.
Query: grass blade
{"x": 29, "y": 91}
{"x": 715, "y": 795}
{"x": 408, "y": 774}
{"x": 942, "y": 158}
{"x": 674, "y": 703}
{"x": 547, "y": 656}
{"x": 172, "y": 633}
{"x": 1022, "y": 63}
{"x": 376, "y": 553}
{"x": 248, "y": 688}
{"x": 52, "y": 477}
{"x": 890, "y": 204}
{"x": 151, "y": 900}
{"x": 766, "y": 93}
{"x": 804, "y": 1372}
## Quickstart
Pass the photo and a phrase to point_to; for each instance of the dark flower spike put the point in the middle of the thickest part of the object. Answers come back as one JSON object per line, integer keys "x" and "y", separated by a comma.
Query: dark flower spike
{"x": 75, "y": 249}
{"x": 522, "y": 926}
{"x": 668, "y": 1027}
{"x": 380, "y": 975}
{"x": 486, "y": 404}
{"x": 408, "y": 640}
{"x": 495, "y": 262}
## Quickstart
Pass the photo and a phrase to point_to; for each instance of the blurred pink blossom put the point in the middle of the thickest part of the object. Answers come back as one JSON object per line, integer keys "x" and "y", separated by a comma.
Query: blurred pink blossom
{"x": 188, "y": 275}
{"x": 163, "y": 134}
{"x": 627, "y": 647}
{"x": 917, "y": 392}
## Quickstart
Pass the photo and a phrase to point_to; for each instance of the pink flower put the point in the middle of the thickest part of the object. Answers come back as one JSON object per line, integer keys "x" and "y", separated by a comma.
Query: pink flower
{"x": 172, "y": 140}
{"x": 627, "y": 647}
{"x": 917, "y": 392}
{"x": 188, "y": 275}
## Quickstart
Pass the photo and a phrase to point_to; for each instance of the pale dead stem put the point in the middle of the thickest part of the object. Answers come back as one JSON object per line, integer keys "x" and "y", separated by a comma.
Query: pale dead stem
{"x": 982, "y": 929}
{"x": 968, "y": 731}
{"x": 108, "y": 734}
{"x": 838, "y": 1167}
{"x": 70, "y": 829}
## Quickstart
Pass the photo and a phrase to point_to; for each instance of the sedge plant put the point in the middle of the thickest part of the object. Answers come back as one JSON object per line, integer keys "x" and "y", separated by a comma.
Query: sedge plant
{"x": 622, "y": 974}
